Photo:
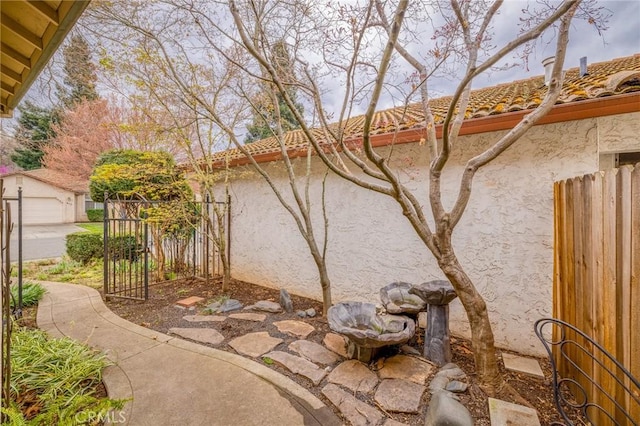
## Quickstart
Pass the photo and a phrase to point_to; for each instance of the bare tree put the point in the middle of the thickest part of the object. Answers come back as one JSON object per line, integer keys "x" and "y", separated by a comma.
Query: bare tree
{"x": 197, "y": 80}
{"x": 462, "y": 34}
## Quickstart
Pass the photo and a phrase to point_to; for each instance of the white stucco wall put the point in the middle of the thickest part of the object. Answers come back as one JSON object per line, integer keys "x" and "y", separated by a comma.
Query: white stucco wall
{"x": 42, "y": 203}
{"x": 504, "y": 240}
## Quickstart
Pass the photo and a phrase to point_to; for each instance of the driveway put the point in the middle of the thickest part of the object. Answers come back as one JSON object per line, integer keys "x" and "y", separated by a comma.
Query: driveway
{"x": 41, "y": 241}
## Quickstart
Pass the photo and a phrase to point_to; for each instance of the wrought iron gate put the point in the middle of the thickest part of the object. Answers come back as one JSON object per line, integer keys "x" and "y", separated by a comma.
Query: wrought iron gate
{"x": 150, "y": 242}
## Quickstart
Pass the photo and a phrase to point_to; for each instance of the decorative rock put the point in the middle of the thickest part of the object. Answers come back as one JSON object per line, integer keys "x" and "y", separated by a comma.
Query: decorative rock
{"x": 310, "y": 312}
{"x": 406, "y": 368}
{"x": 522, "y": 365}
{"x": 298, "y": 365}
{"x": 266, "y": 306}
{"x": 301, "y": 314}
{"x": 438, "y": 383}
{"x": 226, "y": 306}
{"x": 203, "y": 335}
{"x": 445, "y": 410}
{"x": 336, "y": 343}
{"x": 397, "y": 299}
{"x": 204, "y": 318}
{"x": 314, "y": 352}
{"x": 452, "y": 371}
{"x": 506, "y": 413}
{"x": 294, "y": 328}
{"x": 399, "y": 396}
{"x": 409, "y": 350}
{"x": 285, "y": 300}
{"x": 355, "y": 376}
{"x": 422, "y": 320}
{"x": 249, "y": 317}
{"x": 355, "y": 412}
{"x": 456, "y": 386}
{"x": 254, "y": 344}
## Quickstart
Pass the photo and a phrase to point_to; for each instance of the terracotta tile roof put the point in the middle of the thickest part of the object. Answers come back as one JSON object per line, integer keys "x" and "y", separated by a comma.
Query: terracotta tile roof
{"x": 55, "y": 178}
{"x": 615, "y": 77}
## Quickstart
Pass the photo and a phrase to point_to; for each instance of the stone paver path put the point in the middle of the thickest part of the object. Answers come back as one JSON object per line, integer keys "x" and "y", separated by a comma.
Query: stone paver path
{"x": 395, "y": 384}
{"x": 254, "y": 344}
{"x": 298, "y": 365}
{"x": 355, "y": 411}
{"x": 407, "y": 368}
{"x": 295, "y": 328}
{"x": 249, "y": 317}
{"x": 314, "y": 352}
{"x": 354, "y": 376}
{"x": 204, "y": 318}
{"x": 397, "y": 395}
{"x": 336, "y": 343}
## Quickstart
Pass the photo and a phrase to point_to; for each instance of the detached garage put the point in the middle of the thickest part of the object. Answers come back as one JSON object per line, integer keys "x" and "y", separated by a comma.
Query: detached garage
{"x": 48, "y": 196}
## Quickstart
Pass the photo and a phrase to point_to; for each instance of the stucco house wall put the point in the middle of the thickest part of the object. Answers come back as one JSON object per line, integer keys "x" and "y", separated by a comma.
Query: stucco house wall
{"x": 504, "y": 240}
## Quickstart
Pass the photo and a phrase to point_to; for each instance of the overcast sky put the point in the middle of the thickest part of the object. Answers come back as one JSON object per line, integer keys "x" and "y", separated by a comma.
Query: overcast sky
{"x": 622, "y": 38}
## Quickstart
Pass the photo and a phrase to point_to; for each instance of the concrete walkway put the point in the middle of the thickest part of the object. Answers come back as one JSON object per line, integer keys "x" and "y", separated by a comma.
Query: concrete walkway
{"x": 173, "y": 381}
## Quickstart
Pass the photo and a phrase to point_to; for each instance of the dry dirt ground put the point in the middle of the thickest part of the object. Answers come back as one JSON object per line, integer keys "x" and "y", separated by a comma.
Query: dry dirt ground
{"x": 159, "y": 313}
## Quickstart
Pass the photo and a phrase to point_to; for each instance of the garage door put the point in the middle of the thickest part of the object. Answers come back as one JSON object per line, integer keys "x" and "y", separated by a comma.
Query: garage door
{"x": 42, "y": 211}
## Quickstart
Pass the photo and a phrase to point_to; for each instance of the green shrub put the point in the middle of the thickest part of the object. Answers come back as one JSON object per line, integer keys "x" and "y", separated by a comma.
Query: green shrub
{"x": 84, "y": 246}
{"x": 124, "y": 247}
{"x": 31, "y": 293}
{"x": 95, "y": 215}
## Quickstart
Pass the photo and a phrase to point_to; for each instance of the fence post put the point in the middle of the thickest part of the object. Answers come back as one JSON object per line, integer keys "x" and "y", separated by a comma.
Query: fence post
{"x": 105, "y": 242}
{"x": 20, "y": 251}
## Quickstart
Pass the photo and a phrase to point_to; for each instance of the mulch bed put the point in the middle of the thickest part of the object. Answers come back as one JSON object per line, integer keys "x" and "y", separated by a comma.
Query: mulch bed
{"x": 160, "y": 313}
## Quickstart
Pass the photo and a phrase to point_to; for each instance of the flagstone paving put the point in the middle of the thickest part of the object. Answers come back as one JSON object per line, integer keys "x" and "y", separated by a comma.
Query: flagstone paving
{"x": 314, "y": 352}
{"x": 355, "y": 411}
{"x": 407, "y": 368}
{"x": 336, "y": 343}
{"x": 398, "y": 395}
{"x": 396, "y": 385}
{"x": 354, "y": 376}
{"x": 204, "y": 318}
{"x": 298, "y": 365}
{"x": 254, "y": 344}
{"x": 294, "y": 328}
{"x": 521, "y": 364}
{"x": 249, "y": 317}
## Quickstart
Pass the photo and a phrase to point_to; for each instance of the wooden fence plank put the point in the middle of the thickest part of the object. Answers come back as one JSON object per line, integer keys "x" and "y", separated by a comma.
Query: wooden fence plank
{"x": 634, "y": 299}
{"x": 623, "y": 273}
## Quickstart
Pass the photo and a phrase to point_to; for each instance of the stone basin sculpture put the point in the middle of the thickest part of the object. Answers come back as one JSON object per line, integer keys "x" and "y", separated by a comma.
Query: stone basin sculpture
{"x": 437, "y": 294}
{"x": 366, "y": 330}
{"x": 397, "y": 299}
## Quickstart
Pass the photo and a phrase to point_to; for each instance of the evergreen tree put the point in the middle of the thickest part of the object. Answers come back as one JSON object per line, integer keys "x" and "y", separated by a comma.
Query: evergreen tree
{"x": 80, "y": 74}
{"x": 33, "y": 133}
{"x": 265, "y": 119}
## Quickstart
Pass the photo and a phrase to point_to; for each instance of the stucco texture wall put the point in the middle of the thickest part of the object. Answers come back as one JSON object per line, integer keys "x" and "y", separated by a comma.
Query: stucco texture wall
{"x": 504, "y": 240}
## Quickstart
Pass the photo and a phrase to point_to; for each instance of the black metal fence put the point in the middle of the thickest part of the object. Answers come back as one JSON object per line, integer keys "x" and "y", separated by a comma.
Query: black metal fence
{"x": 149, "y": 242}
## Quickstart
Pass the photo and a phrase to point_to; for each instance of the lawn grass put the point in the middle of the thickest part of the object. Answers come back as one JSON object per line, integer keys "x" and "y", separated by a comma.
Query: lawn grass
{"x": 64, "y": 270}
{"x": 94, "y": 227}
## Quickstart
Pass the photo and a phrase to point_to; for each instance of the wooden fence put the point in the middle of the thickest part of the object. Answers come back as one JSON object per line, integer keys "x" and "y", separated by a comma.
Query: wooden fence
{"x": 597, "y": 276}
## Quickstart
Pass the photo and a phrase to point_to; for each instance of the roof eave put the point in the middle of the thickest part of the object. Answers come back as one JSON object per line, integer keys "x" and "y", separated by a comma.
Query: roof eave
{"x": 66, "y": 24}
{"x": 599, "y": 107}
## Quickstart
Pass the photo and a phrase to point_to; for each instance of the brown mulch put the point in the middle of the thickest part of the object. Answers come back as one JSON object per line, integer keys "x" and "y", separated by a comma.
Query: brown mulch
{"x": 160, "y": 313}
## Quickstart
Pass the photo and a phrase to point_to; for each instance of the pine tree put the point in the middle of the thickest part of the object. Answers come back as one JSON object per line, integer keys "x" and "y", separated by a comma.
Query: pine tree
{"x": 33, "y": 133}
{"x": 265, "y": 118}
{"x": 80, "y": 74}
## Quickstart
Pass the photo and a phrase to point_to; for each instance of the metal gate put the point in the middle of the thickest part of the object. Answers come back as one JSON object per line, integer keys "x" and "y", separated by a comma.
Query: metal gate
{"x": 150, "y": 242}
